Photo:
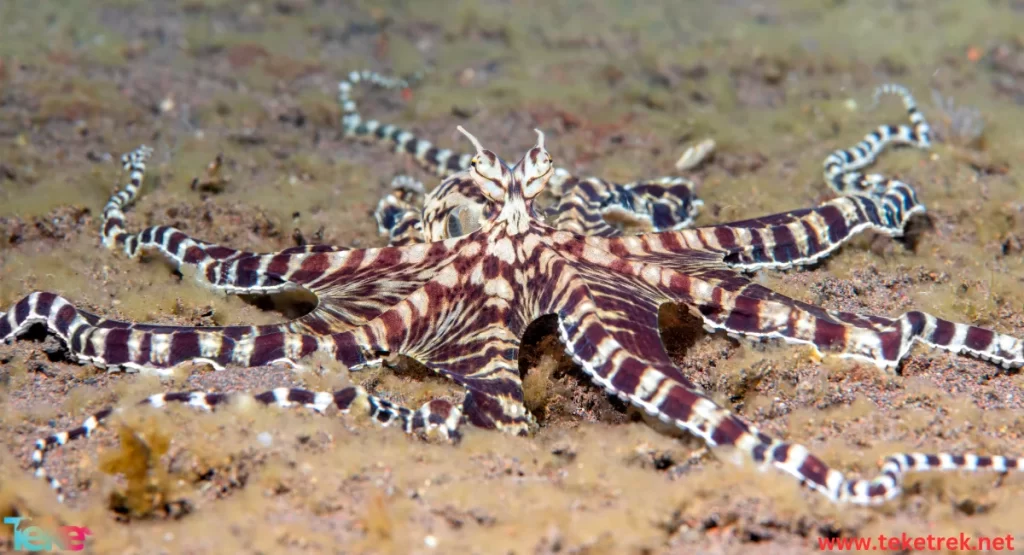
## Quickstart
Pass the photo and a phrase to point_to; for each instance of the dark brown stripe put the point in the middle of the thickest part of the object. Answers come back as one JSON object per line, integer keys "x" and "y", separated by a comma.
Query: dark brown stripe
{"x": 627, "y": 378}
{"x": 745, "y": 315}
{"x": 267, "y": 397}
{"x": 76, "y": 433}
{"x": 347, "y": 351}
{"x": 193, "y": 254}
{"x": 214, "y": 399}
{"x": 729, "y": 431}
{"x": 227, "y": 346}
{"x": 301, "y": 396}
{"x": 175, "y": 241}
{"x": 145, "y": 348}
{"x": 22, "y": 310}
{"x": 833, "y": 218}
{"x": 309, "y": 345}
{"x": 917, "y": 322}
{"x": 678, "y": 404}
{"x": 393, "y": 326}
{"x": 877, "y": 490}
{"x": 278, "y": 265}
{"x": 814, "y": 470}
{"x": 907, "y": 194}
{"x": 316, "y": 323}
{"x": 44, "y": 302}
{"x": 382, "y": 411}
{"x": 267, "y": 348}
{"x": 387, "y": 257}
{"x": 431, "y": 154}
{"x": 726, "y": 237}
{"x": 85, "y": 341}
{"x": 870, "y": 210}
{"x": 785, "y": 244}
{"x": 218, "y": 252}
{"x": 344, "y": 398}
{"x": 491, "y": 267}
{"x": 671, "y": 242}
{"x": 236, "y": 332}
{"x": 581, "y": 347}
{"x": 891, "y": 344}
{"x": 828, "y": 335}
{"x": 411, "y": 144}
{"x": 115, "y": 348}
{"x": 247, "y": 271}
{"x": 979, "y": 339}
{"x": 312, "y": 268}
{"x": 943, "y": 333}
{"x": 758, "y": 452}
{"x": 184, "y": 346}
{"x": 781, "y": 452}
{"x": 177, "y": 397}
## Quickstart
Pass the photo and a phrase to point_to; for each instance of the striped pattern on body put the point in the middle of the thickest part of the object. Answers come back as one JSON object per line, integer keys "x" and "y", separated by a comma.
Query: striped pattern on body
{"x": 841, "y": 167}
{"x": 461, "y": 304}
{"x": 585, "y": 205}
{"x": 614, "y": 337}
{"x": 781, "y": 241}
{"x": 435, "y": 418}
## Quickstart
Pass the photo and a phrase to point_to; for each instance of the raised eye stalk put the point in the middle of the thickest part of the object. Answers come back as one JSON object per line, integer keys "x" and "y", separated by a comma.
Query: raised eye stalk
{"x": 476, "y": 143}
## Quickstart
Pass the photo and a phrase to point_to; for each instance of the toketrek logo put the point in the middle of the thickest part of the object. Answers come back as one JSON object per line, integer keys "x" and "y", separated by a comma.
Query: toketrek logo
{"x": 34, "y": 538}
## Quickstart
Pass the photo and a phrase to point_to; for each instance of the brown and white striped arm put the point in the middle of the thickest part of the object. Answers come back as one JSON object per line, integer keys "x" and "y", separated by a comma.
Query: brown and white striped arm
{"x": 841, "y": 167}
{"x": 437, "y": 418}
{"x": 609, "y": 326}
{"x": 221, "y": 268}
{"x": 114, "y": 344}
{"x": 804, "y": 237}
{"x": 659, "y": 204}
{"x": 461, "y": 305}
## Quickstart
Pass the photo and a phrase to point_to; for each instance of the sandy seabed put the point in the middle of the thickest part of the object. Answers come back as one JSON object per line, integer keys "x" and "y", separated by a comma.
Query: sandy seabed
{"x": 621, "y": 91}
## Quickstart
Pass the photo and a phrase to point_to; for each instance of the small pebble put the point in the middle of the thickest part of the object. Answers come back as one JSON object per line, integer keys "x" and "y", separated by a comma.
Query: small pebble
{"x": 167, "y": 104}
{"x": 696, "y": 155}
{"x": 265, "y": 439}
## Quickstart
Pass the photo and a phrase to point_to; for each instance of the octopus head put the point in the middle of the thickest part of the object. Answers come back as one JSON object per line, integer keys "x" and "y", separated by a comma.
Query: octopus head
{"x": 489, "y": 172}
